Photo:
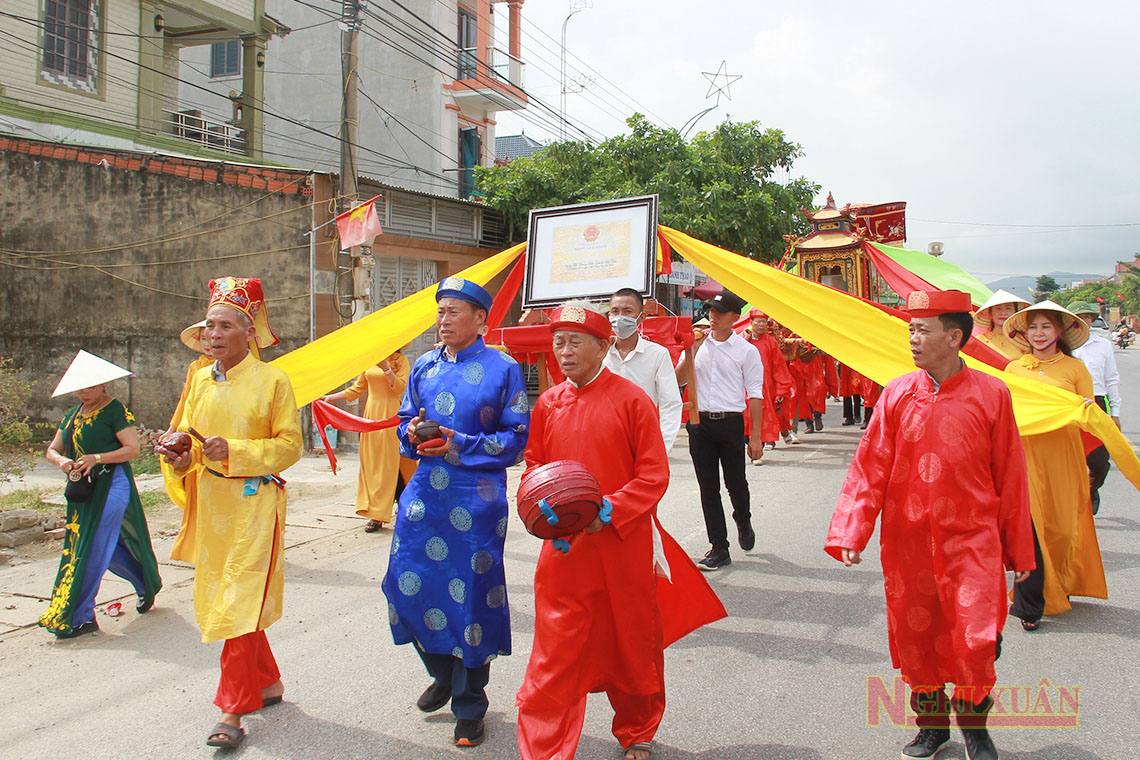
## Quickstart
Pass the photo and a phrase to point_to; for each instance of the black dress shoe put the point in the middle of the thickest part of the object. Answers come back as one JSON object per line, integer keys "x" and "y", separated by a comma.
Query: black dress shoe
{"x": 979, "y": 745}
{"x": 469, "y": 733}
{"x": 746, "y": 536}
{"x": 715, "y": 560}
{"x": 928, "y": 743}
{"x": 847, "y": 421}
{"x": 434, "y": 697}
{"x": 79, "y": 630}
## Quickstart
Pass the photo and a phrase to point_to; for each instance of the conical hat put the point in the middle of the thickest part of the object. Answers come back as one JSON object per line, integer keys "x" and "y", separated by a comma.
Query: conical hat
{"x": 982, "y": 316}
{"x": 86, "y": 371}
{"x": 191, "y": 337}
{"x": 1075, "y": 334}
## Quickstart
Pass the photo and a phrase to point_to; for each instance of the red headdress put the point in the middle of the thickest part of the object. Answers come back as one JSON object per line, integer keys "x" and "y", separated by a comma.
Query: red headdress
{"x": 581, "y": 319}
{"x": 931, "y": 303}
{"x": 245, "y": 295}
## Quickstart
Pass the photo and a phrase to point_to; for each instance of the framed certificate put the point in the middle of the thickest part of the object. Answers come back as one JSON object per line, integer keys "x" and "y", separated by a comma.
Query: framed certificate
{"x": 590, "y": 251}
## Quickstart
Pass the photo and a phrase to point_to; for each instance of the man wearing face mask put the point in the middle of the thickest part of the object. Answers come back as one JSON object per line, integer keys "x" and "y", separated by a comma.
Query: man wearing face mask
{"x": 643, "y": 362}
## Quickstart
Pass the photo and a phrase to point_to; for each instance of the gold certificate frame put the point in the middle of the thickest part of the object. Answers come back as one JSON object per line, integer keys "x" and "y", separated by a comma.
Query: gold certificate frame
{"x": 590, "y": 251}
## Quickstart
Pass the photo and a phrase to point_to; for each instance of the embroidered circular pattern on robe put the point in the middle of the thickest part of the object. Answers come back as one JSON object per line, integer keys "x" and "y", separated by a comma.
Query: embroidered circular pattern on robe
{"x": 473, "y": 634}
{"x": 452, "y": 457}
{"x": 416, "y": 508}
{"x": 519, "y": 403}
{"x": 943, "y": 509}
{"x": 444, "y": 403}
{"x": 395, "y": 544}
{"x": 487, "y": 417}
{"x": 951, "y": 432}
{"x": 460, "y": 519}
{"x": 458, "y": 590}
{"x": 457, "y": 653}
{"x": 473, "y": 373}
{"x": 497, "y": 597}
{"x": 918, "y": 618}
{"x": 501, "y": 527}
{"x": 492, "y": 446}
{"x": 901, "y": 469}
{"x": 929, "y": 467}
{"x": 409, "y": 583}
{"x": 439, "y": 477}
{"x": 975, "y": 635}
{"x": 433, "y": 370}
{"x": 436, "y": 548}
{"x": 968, "y": 595}
{"x": 482, "y": 561}
{"x": 914, "y": 508}
{"x": 914, "y": 428}
{"x": 435, "y": 620}
{"x": 926, "y": 582}
{"x": 507, "y": 357}
{"x": 487, "y": 489}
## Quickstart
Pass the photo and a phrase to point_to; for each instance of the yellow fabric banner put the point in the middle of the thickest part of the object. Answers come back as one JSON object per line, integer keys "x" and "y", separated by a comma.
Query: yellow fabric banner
{"x": 876, "y": 344}
{"x": 332, "y": 360}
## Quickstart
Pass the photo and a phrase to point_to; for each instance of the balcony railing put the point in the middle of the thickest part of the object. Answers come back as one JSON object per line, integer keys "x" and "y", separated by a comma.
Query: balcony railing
{"x": 192, "y": 125}
{"x": 507, "y": 67}
{"x": 499, "y": 64}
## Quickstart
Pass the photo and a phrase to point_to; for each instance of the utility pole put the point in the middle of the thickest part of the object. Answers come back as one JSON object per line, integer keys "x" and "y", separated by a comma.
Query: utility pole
{"x": 361, "y": 259}
{"x": 349, "y": 63}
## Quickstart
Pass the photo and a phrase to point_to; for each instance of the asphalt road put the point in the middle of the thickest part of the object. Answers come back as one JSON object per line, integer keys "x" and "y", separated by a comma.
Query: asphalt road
{"x": 785, "y": 677}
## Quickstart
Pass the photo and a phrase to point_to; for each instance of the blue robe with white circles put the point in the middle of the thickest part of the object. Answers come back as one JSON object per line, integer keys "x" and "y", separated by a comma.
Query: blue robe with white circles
{"x": 445, "y": 583}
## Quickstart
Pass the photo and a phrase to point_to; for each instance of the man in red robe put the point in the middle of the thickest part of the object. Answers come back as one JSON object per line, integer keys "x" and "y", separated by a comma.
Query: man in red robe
{"x": 777, "y": 379}
{"x": 942, "y": 461}
{"x": 606, "y": 609}
{"x": 820, "y": 381}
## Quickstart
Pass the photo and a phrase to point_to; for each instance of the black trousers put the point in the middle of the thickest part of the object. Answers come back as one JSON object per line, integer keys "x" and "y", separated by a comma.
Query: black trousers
{"x": 853, "y": 408}
{"x": 1097, "y": 461}
{"x": 1029, "y": 595}
{"x": 718, "y": 445}
{"x": 468, "y": 695}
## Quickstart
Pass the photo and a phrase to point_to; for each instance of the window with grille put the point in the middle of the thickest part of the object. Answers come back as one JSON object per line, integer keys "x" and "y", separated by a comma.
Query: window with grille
{"x": 70, "y": 43}
{"x": 225, "y": 59}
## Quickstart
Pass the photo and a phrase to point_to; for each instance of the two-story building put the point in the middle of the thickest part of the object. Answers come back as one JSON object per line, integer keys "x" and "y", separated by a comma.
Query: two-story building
{"x": 106, "y": 73}
{"x": 433, "y": 74}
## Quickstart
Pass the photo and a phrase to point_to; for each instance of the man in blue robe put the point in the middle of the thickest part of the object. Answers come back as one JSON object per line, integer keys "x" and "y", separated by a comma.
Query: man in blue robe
{"x": 446, "y": 589}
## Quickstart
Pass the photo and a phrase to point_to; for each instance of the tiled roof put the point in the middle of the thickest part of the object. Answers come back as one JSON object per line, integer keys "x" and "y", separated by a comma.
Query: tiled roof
{"x": 515, "y": 146}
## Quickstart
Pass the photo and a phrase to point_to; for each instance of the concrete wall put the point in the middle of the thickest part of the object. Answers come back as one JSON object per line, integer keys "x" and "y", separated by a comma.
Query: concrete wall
{"x": 54, "y": 304}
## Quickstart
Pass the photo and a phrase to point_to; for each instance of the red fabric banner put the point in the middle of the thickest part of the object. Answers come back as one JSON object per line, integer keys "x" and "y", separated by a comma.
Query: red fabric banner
{"x": 506, "y": 295}
{"x": 881, "y": 222}
{"x": 325, "y": 413}
{"x": 358, "y": 225}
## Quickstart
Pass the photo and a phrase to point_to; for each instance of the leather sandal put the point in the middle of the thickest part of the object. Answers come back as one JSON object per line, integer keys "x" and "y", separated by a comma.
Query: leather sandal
{"x": 1030, "y": 625}
{"x": 225, "y": 736}
{"x": 639, "y": 746}
{"x": 372, "y": 526}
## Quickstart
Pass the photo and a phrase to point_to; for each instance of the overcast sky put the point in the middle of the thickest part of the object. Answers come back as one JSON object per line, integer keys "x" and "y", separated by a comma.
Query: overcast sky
{"x": 988, "y": 113}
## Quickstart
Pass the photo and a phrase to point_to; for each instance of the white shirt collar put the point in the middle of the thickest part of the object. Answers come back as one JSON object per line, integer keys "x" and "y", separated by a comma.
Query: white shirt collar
{"x": 592, "y": 379}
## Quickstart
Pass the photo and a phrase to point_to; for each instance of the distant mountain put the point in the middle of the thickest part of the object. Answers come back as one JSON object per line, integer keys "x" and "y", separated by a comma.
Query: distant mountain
{"x": 1022, "y": 285}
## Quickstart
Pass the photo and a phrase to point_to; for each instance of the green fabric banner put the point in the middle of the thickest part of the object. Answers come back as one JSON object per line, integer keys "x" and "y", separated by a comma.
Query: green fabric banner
{"x": 938, "y": 272}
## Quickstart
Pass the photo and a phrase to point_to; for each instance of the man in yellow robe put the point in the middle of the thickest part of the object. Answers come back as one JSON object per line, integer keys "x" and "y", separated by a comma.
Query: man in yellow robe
{"x": 245, "y": 411}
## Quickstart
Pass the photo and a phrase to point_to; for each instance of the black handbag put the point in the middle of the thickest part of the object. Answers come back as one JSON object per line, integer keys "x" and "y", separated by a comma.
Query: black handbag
{"x": 79, "y": 487}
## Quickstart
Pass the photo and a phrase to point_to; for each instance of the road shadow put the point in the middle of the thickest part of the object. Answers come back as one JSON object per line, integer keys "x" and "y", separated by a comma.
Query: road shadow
{"x": 1094, "y": 616}
{"x": 288, "y": 731}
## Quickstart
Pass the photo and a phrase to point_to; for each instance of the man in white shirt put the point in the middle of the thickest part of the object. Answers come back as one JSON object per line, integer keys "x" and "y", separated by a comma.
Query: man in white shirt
{"x": 730, "y": 384}
{"x": 643, "y": 362}
{"x": 1097, "y": 355}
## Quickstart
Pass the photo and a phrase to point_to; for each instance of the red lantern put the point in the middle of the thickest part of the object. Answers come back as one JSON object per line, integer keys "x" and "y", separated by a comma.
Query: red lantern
{"x": 558, "y": 499}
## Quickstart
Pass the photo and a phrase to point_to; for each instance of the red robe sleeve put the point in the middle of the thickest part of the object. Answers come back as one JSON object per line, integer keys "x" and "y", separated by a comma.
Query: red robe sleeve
{"x": 830, "y": 376}
{"x": 864, "y": 489}
{"x": 1007, "y": 463}
{"x": 779, "y": 369}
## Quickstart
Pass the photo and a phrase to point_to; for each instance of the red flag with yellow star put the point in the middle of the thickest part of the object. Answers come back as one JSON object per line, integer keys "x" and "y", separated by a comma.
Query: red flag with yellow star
{"x": 358, "y": 225}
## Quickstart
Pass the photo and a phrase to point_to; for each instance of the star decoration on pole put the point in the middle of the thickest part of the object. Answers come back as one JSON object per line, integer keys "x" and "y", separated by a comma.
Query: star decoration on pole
{"x": 719, "y": 82}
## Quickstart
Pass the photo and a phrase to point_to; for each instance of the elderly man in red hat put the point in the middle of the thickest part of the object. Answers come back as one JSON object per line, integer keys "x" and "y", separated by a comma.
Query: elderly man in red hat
{"x": 628, "y": 567}
{"x": 942, "y": 460}
{"x": 246, "y": 414}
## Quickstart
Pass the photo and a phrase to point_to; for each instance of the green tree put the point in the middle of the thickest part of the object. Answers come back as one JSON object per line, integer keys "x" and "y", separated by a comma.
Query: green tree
{"x": 15, "y": 455}
{"x": 1125, "y": 293}
{"x": 720, "y": 186}
{"x": 1045, "y": 288}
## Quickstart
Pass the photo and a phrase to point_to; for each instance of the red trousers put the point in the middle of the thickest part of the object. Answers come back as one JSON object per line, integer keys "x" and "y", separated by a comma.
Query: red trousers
{"x": 554, "y": 734}
{"x": 247, "y": 668}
